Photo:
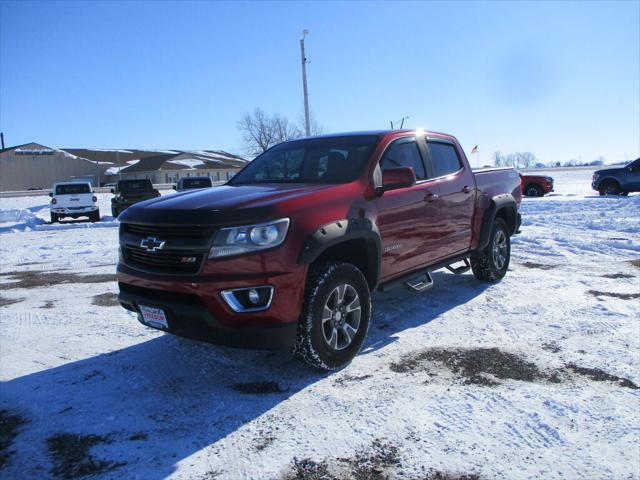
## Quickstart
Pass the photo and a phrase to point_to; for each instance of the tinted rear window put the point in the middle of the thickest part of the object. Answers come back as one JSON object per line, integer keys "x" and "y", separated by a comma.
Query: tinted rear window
{"x": 444, "y": 158}
{"x": 135, "y": 186}
{"x": 73, "y": 189}
{"x": 196, "y": 183}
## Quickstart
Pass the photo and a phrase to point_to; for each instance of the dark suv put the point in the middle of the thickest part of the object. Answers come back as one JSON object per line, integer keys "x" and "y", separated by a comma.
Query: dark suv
{"x": 193, "y": 183}
{"x": 129, "y": 192}
{"x": 618, "y": 181}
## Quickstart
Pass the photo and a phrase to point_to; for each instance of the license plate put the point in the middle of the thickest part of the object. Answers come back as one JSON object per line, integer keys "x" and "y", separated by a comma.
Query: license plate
{"x": 154, "y": 317}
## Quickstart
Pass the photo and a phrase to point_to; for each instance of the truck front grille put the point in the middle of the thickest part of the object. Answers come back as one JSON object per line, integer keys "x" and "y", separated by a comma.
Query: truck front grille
{"x": 169, "y": 262}
{"x": 168, "y": 231}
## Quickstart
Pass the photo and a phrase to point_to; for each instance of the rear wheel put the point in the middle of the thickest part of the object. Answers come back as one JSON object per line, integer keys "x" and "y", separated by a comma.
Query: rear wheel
{"x": 335, "y": 317}
{"x": 492, "y": 263}
{"x": 54, "y": 217}
{"x": 533, "y": 190}
{"x": 95, "y": 216}
{"x": 115, "y": 212}
{"x": 609, "y": 188}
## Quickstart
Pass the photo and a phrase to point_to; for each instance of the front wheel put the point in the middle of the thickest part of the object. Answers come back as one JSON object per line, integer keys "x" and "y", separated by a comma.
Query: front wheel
{"x": 115, "y": 212}
{"x": 533, "y": 191}
{"x": 335, "y": 318}
{"x": 492, "y": 263}
{"x": 609, "y": 188}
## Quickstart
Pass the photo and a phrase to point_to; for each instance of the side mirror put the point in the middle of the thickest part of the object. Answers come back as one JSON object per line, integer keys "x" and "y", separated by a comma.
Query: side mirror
{"x": 51, "y": 194}
{"x": 400, "y": 177}
{"x": 113, "y": 190}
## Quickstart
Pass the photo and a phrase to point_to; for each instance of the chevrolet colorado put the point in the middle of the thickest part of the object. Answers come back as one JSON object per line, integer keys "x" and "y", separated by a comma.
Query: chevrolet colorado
{"x": 287, "y": 253}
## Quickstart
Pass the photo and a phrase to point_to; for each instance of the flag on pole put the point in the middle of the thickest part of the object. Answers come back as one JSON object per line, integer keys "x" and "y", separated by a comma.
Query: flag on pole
{"x": 475, "y": 149}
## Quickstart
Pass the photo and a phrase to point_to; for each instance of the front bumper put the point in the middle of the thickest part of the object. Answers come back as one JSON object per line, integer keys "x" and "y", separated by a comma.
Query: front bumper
{"x": 195, "y": 308}
{"x": 188, "y": 316}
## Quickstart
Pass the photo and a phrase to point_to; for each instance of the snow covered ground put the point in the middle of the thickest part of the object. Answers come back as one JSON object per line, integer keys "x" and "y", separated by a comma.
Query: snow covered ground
{"x": 535, "y": 377}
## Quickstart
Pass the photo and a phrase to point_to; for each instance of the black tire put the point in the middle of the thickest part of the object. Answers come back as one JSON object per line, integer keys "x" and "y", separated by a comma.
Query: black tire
{"x": 609, "y": 188}
{"x": 54, "y": 218}
{"x": 624, "y": 194}
{"x": 95, "y": 216}
{"x": 115, "y": 212}
{"x": 487, "y": 266}
{"x": 322, "y": 292}
{"x": 533, "y": 190}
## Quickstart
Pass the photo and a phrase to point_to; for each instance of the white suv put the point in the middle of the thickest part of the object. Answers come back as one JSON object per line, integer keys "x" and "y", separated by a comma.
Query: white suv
{"x": 73, "y": 199}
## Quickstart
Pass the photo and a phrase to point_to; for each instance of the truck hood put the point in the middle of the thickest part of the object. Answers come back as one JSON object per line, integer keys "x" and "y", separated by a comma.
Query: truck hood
{"x": 219, "y": 205}
{"x": 609, "y": 171}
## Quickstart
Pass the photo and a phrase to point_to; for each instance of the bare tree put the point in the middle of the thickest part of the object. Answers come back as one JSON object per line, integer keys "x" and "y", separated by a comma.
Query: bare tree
{"x": 261, "y": 131}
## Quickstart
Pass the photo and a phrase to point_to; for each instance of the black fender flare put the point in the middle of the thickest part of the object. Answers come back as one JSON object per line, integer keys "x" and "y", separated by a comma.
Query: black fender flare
{"x": 342, "y": 231}
{"x": 498, "y": 203}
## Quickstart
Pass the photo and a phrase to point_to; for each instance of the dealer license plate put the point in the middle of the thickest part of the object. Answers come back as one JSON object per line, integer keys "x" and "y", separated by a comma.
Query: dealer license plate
{"x": 154, "y": 317}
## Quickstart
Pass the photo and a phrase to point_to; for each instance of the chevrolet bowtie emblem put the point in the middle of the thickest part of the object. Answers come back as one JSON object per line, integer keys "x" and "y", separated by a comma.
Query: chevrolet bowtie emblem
{"x": 151, "y": 244}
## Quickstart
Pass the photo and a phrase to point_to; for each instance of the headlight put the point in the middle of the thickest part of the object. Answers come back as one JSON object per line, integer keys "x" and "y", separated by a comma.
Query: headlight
{"x": 248, "y": 238}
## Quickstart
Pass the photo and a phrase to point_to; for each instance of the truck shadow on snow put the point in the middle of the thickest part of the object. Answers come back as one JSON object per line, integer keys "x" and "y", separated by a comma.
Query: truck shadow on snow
{"x": 140, "y": 410}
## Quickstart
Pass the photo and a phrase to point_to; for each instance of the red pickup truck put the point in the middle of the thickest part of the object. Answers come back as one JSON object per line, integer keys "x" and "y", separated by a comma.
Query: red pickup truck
{"x": 287, "y": 253}
{"x": 536, "y": 185}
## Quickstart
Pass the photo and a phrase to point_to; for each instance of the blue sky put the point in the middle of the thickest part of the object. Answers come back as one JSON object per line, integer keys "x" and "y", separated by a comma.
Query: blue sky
{"x": 560, "y": 79}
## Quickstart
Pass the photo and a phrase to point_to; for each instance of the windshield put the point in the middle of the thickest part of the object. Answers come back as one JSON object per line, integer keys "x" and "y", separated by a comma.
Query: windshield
{"x": 133, "y": 186}
{"x": 316, "y": 160}
{"x": 73, "y": 189}
{"x": 196, "y": 183}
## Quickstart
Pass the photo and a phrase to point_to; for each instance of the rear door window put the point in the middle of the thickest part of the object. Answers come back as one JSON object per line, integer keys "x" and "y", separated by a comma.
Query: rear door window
{"x": 73, "y": 189}
{"x": 444, "y": 158}
{"x": 404, "y": 153}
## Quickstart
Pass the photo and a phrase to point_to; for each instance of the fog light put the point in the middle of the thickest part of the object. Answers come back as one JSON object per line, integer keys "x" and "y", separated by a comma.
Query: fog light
{"x": 250, "y": 299}
{"x": 254, "y": 296}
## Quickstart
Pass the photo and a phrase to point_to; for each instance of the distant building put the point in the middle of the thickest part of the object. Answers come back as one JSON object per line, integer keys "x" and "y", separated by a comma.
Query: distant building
{"x": 32, "y": 166}
{"x": 171, "y": 167}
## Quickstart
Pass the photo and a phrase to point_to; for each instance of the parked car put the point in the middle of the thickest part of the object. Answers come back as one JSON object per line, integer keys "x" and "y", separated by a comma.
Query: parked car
{"x": 129, "y": 192}
{"x": 75, "y": 200}
{"x": 618, "y": 181}
{"x": 536, "y": 185}
{"x": 287, "y": 253}
{"x": 193, "y": 183}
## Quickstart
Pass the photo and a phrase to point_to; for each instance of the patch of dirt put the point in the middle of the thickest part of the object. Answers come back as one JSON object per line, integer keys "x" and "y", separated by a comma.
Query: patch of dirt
{"x": 258, "y": 388}
{"x": 618, "y": 275}
{"x": 48, "y": 305}
{"x": 346, "y": 379}
{"x": 601, "y": 376}
{"x": 264, "y": 440}
{"x": 4, "y": 301}
{"x": 635, "y": 263}
{"x": 106, "y": 300}
{"x": 309, "y": 470}
{"x": 71, "y": 457}
{"x": 374, "y": 463}
{"x": 451, "y": 476}
{"x": 480, "y": 366}
{"x": 9, "y": 426}
{"x": 35, "y": 279}
{"x": 539, "y": 266}
{"x": 622, "y": 296}
{"x": 552, "y": 347}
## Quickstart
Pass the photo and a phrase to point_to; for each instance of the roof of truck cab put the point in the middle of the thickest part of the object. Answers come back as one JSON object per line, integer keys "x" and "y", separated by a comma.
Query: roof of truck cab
{"x": 378, "y": 133}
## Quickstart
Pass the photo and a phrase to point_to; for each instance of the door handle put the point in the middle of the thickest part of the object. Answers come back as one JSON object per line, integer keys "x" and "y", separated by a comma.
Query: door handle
{"x": 430, "y": 197}
{"x": 466, "y": 189}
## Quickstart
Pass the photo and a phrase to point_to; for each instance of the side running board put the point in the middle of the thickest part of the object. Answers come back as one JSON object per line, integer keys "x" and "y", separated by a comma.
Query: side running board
{"x": 420, "y": 283}
{"x": 461, "y": 269}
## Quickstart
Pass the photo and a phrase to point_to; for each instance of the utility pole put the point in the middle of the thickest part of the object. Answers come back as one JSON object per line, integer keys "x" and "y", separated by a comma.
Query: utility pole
{"x": 307, "y": 128}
